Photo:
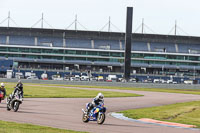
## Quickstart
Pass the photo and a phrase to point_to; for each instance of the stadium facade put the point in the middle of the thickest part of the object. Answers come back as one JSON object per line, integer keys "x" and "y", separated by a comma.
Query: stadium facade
{"x": 69, "y": 50}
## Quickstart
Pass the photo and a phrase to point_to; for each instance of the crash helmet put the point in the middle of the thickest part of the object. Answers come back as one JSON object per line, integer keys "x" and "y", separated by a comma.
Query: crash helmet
{"x": 2, "y": 84}
{"x": 19, "y": 84}
{"x": 100, "y": 96}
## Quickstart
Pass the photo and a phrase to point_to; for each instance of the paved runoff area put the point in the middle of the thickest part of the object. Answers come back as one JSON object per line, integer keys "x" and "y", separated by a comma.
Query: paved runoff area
{"x": 66, "y": 113}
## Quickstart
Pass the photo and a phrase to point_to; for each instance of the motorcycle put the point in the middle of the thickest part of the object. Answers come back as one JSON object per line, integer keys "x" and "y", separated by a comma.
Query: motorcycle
{"x": 1, "y": 96}
{"x": 13, "y": 102}
{"x": 96, "y": 114}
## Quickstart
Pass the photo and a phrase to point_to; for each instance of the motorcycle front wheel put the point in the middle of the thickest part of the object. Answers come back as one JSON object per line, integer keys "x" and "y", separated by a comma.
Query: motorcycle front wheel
{"x": 101, "y": 118}
{"x": 85, "y": 118}
{"x": 16, "y": 106}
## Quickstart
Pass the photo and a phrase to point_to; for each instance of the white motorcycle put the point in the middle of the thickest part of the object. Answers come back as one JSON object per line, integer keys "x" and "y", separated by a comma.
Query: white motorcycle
{"x": 13, "y": 102}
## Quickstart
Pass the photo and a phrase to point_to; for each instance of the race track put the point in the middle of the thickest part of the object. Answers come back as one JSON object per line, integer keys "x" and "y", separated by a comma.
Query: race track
{"x": 66, "y": 113}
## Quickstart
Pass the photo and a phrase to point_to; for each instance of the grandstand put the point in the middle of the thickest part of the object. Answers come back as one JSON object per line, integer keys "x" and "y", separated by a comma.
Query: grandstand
{"x": 54, "y": 49}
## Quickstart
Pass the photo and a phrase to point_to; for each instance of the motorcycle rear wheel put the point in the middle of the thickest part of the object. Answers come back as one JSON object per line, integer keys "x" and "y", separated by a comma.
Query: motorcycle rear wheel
{"x": 101, "y": 118}
{"x": 8, "y": 108}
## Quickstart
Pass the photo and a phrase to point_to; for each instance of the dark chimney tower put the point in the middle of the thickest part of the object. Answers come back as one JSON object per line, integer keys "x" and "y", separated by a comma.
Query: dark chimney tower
{"x": 128, "y": 37}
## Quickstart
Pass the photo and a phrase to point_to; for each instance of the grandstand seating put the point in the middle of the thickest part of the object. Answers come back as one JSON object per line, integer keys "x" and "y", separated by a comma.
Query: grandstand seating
{"x": 78, "y": 43}
{"x": 55, "y": 42}
{"x": 189, "y": 48}
{"x": 21, "y": 40}
{"x": 107, "y": 44}
{"x": 163, "y": 47}
{"x": 100, "y": 44}
{"x": 2, "y": 39}
{"x": 139, "y": 46}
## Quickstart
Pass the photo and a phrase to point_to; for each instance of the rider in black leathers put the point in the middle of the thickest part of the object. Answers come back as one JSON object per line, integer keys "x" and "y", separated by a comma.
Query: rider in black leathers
{"x": 19, "y": 87}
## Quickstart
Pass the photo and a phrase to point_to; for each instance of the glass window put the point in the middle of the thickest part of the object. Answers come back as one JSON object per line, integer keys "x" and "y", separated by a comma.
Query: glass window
{"x": 105, "y": 60}
{"x": 3, "y": 49}
{"x": 154, "y": 56}
{"x": 80, "y": 58}
{"x": 32, "y": 56}
{"x": 69, "y": 58}
{"x": 70, "y": 52}
{"x": 35, "y": 50}
{"x": 116, "y": 54}
{"x": 103, "y": 53}
{"x": 193, "y": 58}
{"x": 13, "y": 49}
{"x": 49, "y": 51}
{"x": 25, "y": 50}
{"x": 46, "y": 57}
{"x": 81, "y": 52}
{"x": 138, "y": 55}
{"x": 113, "y": 60}
{"x": 92, "y": 53}
{"x": 57, "y": 51}
{"x": 179, "y": 57}
{"x": 57, "y": 58}
{"x": 91, "y": 59}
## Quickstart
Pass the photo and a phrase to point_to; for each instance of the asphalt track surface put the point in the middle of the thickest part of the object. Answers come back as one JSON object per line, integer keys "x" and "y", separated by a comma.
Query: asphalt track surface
{"x": 66, "y": 113}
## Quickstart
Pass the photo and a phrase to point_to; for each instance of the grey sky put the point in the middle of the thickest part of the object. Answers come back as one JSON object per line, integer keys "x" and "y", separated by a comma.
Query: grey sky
{"x": 159, "y": 15}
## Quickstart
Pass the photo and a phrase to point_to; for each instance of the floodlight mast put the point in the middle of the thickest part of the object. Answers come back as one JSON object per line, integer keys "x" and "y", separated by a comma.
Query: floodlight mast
{"x": 8, "y": 19}
{"x": 109, "y": 25}
{"x": 142, "y": 25}
{"x": 42, "y": 20}
{"x": 175, "y": 30}
{"x": 75, "y": 22}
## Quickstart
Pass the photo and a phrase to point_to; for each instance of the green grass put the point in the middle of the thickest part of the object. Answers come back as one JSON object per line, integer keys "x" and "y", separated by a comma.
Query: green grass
{"x": 12, "y": 127}
{"x": 167, "y": 90}
{"x": 60, "y": 92}
{"x": 185, "y": 113}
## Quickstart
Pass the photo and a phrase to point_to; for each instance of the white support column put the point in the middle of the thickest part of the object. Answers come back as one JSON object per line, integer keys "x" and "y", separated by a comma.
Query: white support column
{"x": 176, "y": 47}
{"x": 149, "y": 46}
{"x": 120, "y": 45}
{"x": 92, "y": 44}
{"x": 64, "y": 42}
{"x": 36, "y": 41}
{"x": 7, "y": 39}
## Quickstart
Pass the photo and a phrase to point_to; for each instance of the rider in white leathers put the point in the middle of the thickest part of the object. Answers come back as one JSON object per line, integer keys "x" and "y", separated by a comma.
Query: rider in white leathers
{"x": 96, "y": 101}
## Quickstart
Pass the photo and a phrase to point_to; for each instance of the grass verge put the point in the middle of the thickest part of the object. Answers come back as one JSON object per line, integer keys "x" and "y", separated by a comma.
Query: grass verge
{"x": 185, "y": 113}
{"x": 61, "y": 92}
{"x": 12, "y": 127}
{"x": 167, "y": 90}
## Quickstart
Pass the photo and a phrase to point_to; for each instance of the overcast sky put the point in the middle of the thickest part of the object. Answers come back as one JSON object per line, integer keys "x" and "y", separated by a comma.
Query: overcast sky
{"x": 159, "y": 15}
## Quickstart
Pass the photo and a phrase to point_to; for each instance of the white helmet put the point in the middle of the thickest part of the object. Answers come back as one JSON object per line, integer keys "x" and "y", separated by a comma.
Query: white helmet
{"x": 100, "y": 96}
{"x": 2, "y": 84}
